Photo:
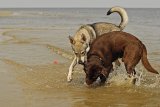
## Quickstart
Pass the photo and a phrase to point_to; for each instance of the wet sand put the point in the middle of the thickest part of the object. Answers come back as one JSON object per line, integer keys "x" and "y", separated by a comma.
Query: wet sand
{"x": 29, "y": 76}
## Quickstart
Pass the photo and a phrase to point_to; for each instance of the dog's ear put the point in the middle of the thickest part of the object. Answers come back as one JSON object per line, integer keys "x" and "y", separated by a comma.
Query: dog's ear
{"x": 72, "y": 41}
{"x": 83, "y": 37}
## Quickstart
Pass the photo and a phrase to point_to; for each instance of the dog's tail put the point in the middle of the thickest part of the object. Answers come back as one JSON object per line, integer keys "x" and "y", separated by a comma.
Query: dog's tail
{"x": 146, "y": 63}
{"x": 122, "y": 12}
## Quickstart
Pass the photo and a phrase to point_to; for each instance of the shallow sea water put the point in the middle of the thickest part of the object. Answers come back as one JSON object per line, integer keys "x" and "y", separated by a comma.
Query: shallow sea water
{"x": 35, "y": 56}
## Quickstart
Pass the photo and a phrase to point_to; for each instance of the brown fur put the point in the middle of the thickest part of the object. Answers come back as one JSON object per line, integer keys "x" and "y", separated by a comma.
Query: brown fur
{"x": 108, "y": 48}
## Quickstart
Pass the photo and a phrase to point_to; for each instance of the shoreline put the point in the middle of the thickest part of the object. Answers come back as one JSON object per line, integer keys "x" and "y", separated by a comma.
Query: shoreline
{"x": 4, "y": 38}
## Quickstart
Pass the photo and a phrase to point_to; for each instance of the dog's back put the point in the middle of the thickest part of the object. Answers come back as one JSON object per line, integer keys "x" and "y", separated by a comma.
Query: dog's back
{"x": 104, "y": 27}
{"x": 116, "y": 40}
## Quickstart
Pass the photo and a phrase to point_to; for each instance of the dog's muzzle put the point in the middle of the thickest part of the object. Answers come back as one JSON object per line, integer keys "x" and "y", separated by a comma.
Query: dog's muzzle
{"x": 80, "y": 62}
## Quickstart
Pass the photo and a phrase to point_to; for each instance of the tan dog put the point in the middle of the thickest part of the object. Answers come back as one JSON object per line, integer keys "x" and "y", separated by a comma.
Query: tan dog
{"x": 87, "y": 33}
{"x": 108, "y": 48}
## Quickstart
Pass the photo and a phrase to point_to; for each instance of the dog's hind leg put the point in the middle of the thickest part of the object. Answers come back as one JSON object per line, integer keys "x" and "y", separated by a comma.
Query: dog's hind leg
{"x": 130, "y": 69}
{"x": 73, "y": 64}
{"x": 132, "y": 56}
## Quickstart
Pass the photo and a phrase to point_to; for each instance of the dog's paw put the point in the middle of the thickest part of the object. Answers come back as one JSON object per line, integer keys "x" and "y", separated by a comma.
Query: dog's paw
{"x": 69, "y": 78}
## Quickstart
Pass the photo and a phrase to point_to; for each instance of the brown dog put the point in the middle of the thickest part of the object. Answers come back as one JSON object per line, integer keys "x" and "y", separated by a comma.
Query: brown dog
{"x": 111, "y": 46}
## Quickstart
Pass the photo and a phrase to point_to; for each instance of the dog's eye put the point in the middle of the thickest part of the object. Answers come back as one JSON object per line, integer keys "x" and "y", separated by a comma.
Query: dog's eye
{"x": 83, "y": 52}
{"x": 76, "y": 53}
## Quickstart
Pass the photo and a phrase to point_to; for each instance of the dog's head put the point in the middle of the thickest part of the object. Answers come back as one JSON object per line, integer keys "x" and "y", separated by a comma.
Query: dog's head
{"x": 80, "y": 48}
{"x": 93, "y": 71}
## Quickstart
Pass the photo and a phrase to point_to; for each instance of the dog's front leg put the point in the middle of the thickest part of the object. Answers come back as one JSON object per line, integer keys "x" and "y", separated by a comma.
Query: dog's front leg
{"x": 74, "y": 62}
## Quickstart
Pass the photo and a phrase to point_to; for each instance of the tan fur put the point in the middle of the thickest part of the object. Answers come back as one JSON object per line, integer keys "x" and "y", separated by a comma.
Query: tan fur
{"x": 123, "y": 14}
